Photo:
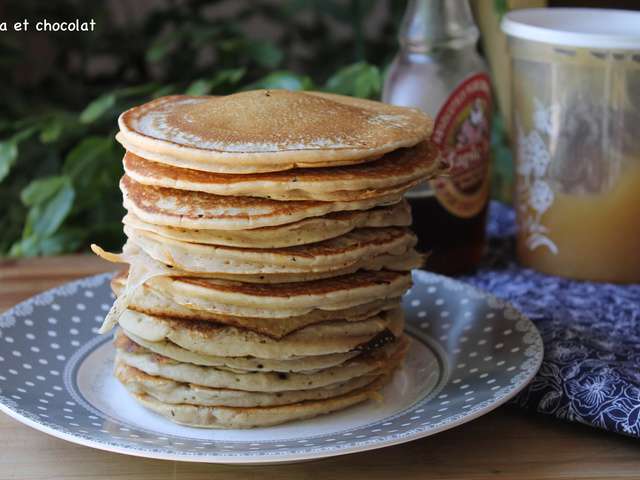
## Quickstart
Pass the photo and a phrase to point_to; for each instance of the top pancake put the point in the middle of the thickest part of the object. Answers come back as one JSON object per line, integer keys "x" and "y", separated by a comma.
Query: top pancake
{"x": 268, "y": 130}
{"x": 397, "y": 170}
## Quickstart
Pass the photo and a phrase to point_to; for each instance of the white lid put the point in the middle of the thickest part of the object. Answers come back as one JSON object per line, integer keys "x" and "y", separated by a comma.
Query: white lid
{"x": 576, "y": 27}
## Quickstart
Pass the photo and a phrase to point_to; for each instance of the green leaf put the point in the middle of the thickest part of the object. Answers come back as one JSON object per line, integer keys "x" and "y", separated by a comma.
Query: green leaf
{"x": 98, "y": 107}
{"x": 265, "y": 54}
{"x": 79, "y": 162}
{"x": 199, "y": 87}
{"x": 24, "y": 134}
{"x": 229, "y": 76}
{"x": 8, "y": 157}
{"x": 25, "y": 247}
{"x": 200, "y": 36}
{"x": 157, "y": 52}
{"x": 52, "y": 130}
{"x": 224, "y": 77}
{"x": 284, "y": 80}
{"x": 162, "y": 91}
{"x": 94, "y": 166}
{"x": 358, "y": 80}
{"x": 161, "y": 46}
{"x": 45, "y": 218}
{"x": 9, "y": 150}
{"x": 66, "y": 240}
{"x": 41, "y": 189}
{"x": 143, "y": 89}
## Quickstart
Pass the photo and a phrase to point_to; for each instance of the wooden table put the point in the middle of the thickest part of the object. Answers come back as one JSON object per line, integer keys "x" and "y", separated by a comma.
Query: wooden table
{"x": 507, "y": 443}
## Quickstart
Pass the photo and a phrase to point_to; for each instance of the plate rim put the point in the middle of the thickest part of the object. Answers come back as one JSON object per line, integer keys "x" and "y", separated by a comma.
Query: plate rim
{"x": 250, "y": 459}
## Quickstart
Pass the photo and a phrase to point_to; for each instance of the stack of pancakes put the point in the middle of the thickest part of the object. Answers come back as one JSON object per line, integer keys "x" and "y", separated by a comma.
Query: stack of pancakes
{"x": 268, "y": 250}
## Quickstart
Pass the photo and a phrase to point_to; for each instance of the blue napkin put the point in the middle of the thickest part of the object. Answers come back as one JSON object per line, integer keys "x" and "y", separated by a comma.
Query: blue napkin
{"x": 591, "y": 332}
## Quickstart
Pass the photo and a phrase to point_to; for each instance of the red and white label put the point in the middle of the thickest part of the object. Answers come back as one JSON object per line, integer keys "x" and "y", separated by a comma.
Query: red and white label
{"x": 462, "y": 131}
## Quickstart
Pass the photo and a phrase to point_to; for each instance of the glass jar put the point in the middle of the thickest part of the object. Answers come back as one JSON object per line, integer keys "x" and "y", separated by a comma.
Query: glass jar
{"x": 575, "y": 89}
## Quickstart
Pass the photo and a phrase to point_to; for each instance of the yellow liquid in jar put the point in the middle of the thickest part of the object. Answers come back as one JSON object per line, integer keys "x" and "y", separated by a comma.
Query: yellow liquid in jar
{"x": 598, "y": 235}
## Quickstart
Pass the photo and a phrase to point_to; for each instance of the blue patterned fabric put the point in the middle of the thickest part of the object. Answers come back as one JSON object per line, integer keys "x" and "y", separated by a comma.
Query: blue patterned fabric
{"x": 591, "y": 332}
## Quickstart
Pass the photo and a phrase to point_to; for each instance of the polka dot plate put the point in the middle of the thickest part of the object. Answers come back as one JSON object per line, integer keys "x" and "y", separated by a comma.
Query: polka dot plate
{"x": 470, "y": 353}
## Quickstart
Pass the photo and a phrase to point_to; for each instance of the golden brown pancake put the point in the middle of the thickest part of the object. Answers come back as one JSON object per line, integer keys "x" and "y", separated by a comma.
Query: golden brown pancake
{"x": 170, "y": 391}
{"x": 373, "y": 362}
{"x": 345, "y": 283}
{"x": 268, "y": 130}
{"x": 254, "y": 417}
{"x": 226, "y": 341}
{"x": 296, "y": 364}
{"x": 355, "y": 248}
{"x": 303, "y": 232}
{"x": 148, "y": 301}
{"x": 282, "y": 300}
{"x": 198, "y": 210}
{"x": 395, "y": 171}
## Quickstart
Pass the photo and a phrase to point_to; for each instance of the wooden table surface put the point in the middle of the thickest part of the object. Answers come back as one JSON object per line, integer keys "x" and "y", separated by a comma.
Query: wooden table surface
{"x": 508, "y": 443}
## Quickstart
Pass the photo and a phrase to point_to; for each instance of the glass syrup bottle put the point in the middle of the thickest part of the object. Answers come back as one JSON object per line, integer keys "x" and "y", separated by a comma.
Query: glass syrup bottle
{"x": 439, "y": 71}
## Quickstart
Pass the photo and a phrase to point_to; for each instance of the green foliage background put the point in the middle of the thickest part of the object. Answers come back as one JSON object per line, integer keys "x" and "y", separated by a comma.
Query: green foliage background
{"x": 59, "y": 162}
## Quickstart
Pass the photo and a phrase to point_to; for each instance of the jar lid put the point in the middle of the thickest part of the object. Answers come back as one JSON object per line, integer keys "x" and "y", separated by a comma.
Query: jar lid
{"x": 576, "y": 27}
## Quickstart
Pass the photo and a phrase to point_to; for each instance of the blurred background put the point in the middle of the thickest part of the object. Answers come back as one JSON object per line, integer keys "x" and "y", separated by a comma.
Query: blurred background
{"x": 61, "y": 93}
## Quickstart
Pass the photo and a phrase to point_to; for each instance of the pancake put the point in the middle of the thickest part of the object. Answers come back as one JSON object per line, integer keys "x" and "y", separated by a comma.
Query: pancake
{"x": 156, "y": 365}
{"x": 355, "y": 248}
{"x": 282, "y": 300}
{"x": 198, "y": 210}
{"x": 146, "y": 300}
{"x": 238, "y": 299}
{"x": 302, "y": 232}
{"x": 396, "y": 171}
{"x": 128, "y": 340}
{"x": 268, "y": 130}
{"x": 401, "y": 263}
{"x": 253, "y": 417}
{"x": 170, "y": 267}
{"x": 167, "y": 263}
{"x": 227, "y": 341}
{"x": 170, "y": 391}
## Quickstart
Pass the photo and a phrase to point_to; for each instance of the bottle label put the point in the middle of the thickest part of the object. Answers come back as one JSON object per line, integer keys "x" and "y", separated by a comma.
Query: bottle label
{"x": 462, "y": 131}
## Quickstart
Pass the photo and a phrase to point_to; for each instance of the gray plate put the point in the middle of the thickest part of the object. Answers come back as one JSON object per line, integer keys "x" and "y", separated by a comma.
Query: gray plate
{"x": 470, "y": 353}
